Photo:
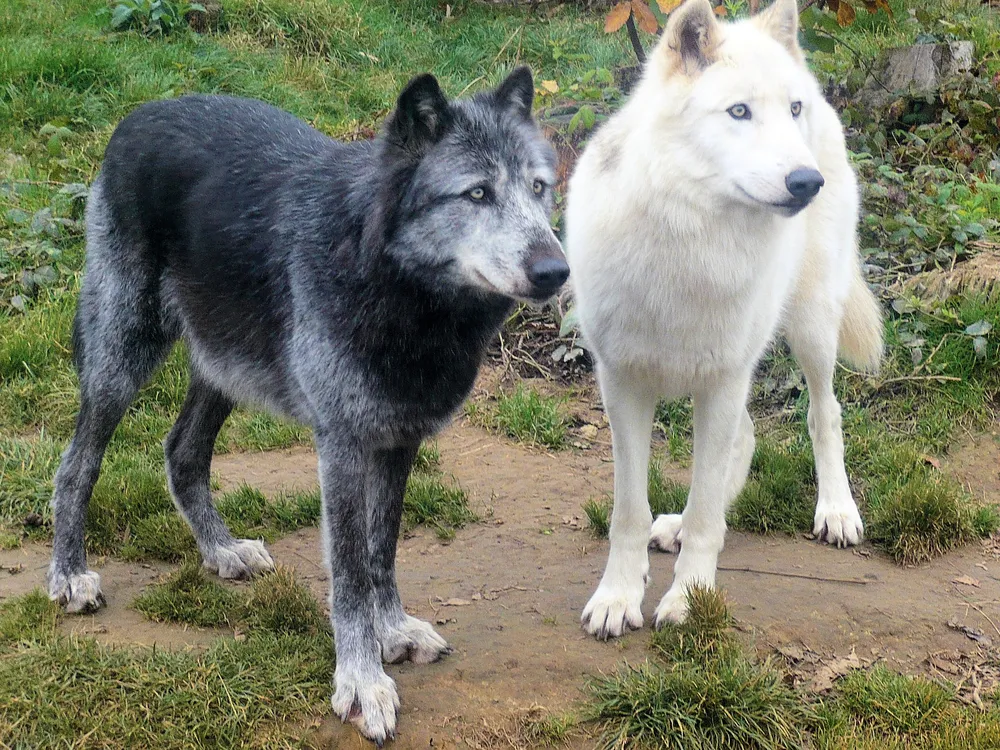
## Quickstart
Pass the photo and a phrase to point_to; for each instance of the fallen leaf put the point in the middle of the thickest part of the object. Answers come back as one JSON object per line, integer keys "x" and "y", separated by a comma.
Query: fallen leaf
{"x": 551, "y": 86}
{"x": 666, "y": 6}
{"x": 932, "y": 461}
{"x": 825, "y": 676}
{"x": 589, "y": 431}
{"x": 974, "y": 634}
{"x": 456, "y": 603}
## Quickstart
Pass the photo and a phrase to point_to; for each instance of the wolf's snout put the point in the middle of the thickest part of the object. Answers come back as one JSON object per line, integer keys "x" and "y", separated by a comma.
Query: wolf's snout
{"x": 547, "y": 270}
{"x": 803, "y": 184}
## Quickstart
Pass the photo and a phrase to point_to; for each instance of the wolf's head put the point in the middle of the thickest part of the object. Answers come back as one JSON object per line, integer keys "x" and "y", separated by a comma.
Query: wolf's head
{"x": 734, "y": 101}
{"x": 471, "y": 190}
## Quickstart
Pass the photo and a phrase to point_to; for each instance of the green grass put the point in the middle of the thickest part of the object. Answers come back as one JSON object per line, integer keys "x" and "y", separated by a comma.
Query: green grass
{"x": 525, "y": 415}
{"x": 339, "y": 65}
{"x": 665, "y": 496}
{"x": 188, "y": 596}
{"x": 252, "y": 693}
{"x": 704, "y": 687}
{"x": 703, "y": 692}
{"x": 431, "y": 501}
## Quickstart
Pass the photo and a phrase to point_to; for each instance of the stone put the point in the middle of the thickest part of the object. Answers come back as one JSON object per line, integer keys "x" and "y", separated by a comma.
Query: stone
{"x": 915, "y": 72}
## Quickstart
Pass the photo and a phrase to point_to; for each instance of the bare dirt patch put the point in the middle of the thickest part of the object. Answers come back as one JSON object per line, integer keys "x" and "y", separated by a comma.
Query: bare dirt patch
{"x": 507, "y": 591}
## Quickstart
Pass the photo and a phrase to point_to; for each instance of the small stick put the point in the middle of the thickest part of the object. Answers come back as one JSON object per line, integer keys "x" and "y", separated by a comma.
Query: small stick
{"x": 855, "y": 581}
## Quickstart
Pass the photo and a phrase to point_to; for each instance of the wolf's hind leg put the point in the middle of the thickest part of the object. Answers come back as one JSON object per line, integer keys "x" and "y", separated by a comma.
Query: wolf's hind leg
{"x": 119, "y": 340}
{"x": 812, "y": 335}
{"x": 667, "y": 534}
{"x": 188, "y": 453}
{"x": 401, "y": 636}
{"x": 615, "y": 606}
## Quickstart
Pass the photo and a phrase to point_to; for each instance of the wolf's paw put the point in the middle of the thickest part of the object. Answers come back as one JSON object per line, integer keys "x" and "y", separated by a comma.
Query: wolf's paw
{"x": 243, "y": 558}
{"x": 614, "y": 610}
{"x": 370, "y": 705}
{"x": 78, "y": 593}
{"x": 413, "y": 640}
{"x": 673, "y": 607}
{"x": 666, "y": 533}
{"x": 838, "y": 523}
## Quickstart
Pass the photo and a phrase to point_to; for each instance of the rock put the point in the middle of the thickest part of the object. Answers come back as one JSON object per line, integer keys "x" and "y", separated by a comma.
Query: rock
{"x": 915, "y": 72}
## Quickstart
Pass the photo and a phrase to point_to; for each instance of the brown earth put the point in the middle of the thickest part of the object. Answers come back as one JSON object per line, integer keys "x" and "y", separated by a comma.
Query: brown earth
{"x": 508, "y": 590}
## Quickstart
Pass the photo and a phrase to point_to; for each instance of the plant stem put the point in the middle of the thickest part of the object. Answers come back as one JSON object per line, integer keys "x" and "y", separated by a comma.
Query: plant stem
{"x": 633, "y": 36}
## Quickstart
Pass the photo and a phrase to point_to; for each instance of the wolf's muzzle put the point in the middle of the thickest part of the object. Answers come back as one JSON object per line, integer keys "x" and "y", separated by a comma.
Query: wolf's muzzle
{"x": 546, "y": 270}
{"x": 803, "y": 184}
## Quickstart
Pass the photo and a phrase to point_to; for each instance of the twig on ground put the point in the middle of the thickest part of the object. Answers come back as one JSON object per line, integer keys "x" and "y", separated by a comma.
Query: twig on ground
{"x": 782, "y": 574}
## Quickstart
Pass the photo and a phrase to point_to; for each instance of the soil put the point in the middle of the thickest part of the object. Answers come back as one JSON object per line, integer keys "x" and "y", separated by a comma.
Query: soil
{"x": 508, "y": 590}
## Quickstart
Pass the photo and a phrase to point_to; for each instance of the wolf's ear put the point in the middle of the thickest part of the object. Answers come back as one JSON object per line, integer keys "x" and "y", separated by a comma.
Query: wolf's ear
{"x": 692, "y": 34}
{"x": 781, "y": 21}
{"x": 517, "y": 92}
{"x": 420, "y": 117}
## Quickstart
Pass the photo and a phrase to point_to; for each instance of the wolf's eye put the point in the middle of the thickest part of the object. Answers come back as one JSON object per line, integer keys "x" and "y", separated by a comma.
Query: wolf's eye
{"x": 739, "y": 112}
{"x": 538, "y": 187}
{"x": 796, "y": 109}
{"x": 477, "y": 194}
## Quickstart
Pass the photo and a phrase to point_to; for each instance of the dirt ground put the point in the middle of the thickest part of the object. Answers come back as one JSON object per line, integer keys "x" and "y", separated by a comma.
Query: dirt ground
{"x": 507, "y": 591}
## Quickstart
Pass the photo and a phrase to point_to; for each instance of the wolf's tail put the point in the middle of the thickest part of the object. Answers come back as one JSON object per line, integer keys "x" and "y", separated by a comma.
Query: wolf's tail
{"x": 860, "y": 341}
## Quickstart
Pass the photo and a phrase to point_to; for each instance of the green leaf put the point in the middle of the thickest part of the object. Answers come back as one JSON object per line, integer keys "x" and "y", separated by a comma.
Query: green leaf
{"x": 121, "y": 17}
{"x": 979, "y": 347}
{"x": 570, "y": 322}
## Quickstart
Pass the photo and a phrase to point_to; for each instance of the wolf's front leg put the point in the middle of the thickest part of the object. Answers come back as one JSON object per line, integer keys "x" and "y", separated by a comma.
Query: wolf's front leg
{"x": 401, "y": 637}
{"x": 364, "y": 694}
{"x": 720, "y": 423}
{"x": 616, "y": 605}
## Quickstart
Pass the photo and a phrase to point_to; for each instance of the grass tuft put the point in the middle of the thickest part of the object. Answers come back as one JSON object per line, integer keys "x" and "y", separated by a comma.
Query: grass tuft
{"x": 728, "y": 703}
{"x": 526, "y": 416}
{"x": 889, "y": 703}
{"x": 189, "y": 597}
{"x": 705, "y": 634}
{"x": 278, "y": 604}
{"x": 428, "y": 500}
{"x": 28, "y": 618}
{"x": 780, "y": 493}
{"x": 928, "y": 516}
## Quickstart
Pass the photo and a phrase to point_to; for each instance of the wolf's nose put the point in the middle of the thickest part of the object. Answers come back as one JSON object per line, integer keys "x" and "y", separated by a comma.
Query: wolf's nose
{"x": 548, "y": 273}
{"x": 803, "y": 184}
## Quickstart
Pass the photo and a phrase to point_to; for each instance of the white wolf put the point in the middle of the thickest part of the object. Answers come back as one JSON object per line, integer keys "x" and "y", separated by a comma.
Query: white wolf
{"x": 696, "y": 229}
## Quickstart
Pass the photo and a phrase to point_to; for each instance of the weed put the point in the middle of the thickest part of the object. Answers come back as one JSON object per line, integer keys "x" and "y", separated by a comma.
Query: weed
{"x": 524, "y": 415}
{"x": 150, "y": 17}
{"x": 704, "y": 635}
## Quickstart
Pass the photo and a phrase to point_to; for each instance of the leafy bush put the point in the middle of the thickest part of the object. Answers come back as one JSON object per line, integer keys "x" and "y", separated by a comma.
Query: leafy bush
{"x": 151, "y": 17}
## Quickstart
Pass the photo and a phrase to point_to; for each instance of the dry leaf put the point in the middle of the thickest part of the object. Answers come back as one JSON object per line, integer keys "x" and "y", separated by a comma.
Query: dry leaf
{"x": 551, "y": 86}
{"x": 825, "y": 676}
{"x": 845, "y": 13}
{"x": 931, "y": 461}
{"x": 456, "y": 603}
{"x": 666, "y": 6}
{"x": 617, "y": 17}
{"x": 966, "y": 581}
{"x": 720, "y": 11}
{"x": 644, "y": 17}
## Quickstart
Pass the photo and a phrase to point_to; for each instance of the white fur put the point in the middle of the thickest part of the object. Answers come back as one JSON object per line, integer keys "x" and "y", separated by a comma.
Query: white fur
{"x": 369, "y": 701}
{"x": 413, "y": 640}
{"x": 78, "y": 593}
{"x": 244, "y": 558}
{"x": 684, "y": 268}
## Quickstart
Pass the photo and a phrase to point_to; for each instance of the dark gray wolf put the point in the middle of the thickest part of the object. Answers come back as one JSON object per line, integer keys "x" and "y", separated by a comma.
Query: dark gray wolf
{"x": 352, "y": 287}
